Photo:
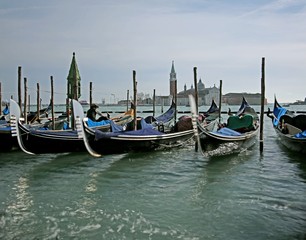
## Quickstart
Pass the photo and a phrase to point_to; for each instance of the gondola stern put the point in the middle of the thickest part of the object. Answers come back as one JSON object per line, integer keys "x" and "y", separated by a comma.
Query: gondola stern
{"x": 14, "y": 123}
{"x": 194, "y": 114}
{"x": 80, "y": 127}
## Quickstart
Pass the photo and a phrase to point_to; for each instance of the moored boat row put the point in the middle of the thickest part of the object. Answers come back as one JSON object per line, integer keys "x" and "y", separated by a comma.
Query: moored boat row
{"x": 212, "y": 135}
{"x": 113, "y": 140}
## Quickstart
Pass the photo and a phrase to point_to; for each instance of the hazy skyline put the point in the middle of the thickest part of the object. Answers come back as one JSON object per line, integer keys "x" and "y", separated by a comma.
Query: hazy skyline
{"x": 225, "y": 40}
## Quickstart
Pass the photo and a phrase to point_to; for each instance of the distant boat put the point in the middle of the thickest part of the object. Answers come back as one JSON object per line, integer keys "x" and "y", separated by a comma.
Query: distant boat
{"x": 83, "y": 102}
{"x": 299, "y": 102}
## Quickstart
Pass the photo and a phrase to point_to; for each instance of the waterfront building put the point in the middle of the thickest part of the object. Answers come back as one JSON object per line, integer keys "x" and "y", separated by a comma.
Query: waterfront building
{"x": 205, "y": 95}
{"x": 235, "y": 98}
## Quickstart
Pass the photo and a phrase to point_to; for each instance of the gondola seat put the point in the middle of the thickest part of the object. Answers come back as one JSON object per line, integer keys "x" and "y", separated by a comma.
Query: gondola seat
{"x": 241, "y": 124}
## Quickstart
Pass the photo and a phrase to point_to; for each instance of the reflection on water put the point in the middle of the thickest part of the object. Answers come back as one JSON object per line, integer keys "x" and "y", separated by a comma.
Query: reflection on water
{"x": 23, "y": 200}
{"x": 18, "y": 210}
{"x": 221, "y": 149}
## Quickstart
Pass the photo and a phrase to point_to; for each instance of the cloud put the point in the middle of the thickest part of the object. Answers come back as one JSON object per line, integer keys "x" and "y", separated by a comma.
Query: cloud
{"x": 224, "y": 40}
{"x": 278, "y": 6}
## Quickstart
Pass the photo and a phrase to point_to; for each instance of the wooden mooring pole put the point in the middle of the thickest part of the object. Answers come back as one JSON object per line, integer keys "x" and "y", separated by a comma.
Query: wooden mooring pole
{"x": 29, "y": 103}
{"x": 196, "y": 88}
{"x": 220, "y": 100}
{"x": 52, "y": 103}
{"x": 25, "y": 101}
{"x": 0, "y": 98}
{"x": 38, "y": 101}
{"x": 68, "y": 111}
{"x": 262, "y": 104}
{"x": 196, "y": 146}
{"x": 90, "y": 93}
{"x": 127, "y": 99}
{"x": 175, "y": 100}
{"x": 19, "y": 88}
{"x": 162, "y": 106}
{"x": 135, "y": 99}
{"x": 153, "y": 102}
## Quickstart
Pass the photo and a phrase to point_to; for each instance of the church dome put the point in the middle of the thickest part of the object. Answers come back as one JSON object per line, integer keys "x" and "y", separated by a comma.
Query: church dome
{"x": 201, "y": 85}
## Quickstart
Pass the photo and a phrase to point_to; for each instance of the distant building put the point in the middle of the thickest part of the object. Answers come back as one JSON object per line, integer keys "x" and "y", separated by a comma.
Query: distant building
{"x": 235, "y": 98}
{"x": 299, "y": 102}
{"x": 173, "y": 81}
{"x": 205, "y": 95}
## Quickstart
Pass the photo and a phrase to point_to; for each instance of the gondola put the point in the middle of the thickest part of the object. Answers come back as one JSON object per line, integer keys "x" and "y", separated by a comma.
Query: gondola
{"x": 211, "y": 114}
{"x": 119, "y": 141}
{"x": 164, "y": 120}
{"x": 34, "y": 116}
{"x": 7, "y": 141}
{"x": 290, "y": 128}
{"x": 222, "y": 138}
{"x": 35, "y": 140}
{"x": 105, "y": 126}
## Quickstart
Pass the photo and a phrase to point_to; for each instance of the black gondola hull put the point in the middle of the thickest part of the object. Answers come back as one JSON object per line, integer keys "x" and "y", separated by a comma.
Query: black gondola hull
{"x": 290, "y": 128}
{"x": 7, "y": 142}
{"x": 212, "y": 142}
{"x": 124, "y": 144}
{"x": 41, "y": 142}
{"x": 292, "y": 143}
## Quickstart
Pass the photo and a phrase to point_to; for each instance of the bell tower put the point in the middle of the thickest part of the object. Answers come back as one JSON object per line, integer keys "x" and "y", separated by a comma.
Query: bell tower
{"x": 173, "y": 81}
{"x": 74, "y": 80}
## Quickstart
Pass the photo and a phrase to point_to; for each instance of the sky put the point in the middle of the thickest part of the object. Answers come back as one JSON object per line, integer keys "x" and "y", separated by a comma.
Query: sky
{"x": 225, "y": 40}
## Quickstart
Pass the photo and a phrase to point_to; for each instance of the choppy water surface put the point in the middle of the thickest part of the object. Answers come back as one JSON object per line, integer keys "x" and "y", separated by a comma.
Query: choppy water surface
{"x": 174, "y": 194}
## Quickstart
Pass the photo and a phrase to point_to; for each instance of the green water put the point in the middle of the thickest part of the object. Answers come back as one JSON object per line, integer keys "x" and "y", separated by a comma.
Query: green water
{"x": 174, "y": 194}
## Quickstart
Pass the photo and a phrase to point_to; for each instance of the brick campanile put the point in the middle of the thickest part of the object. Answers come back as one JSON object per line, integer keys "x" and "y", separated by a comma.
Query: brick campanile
{"x": 173, "y": 81}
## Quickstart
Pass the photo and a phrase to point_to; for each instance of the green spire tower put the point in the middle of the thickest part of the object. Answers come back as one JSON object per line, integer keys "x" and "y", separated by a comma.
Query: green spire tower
{"x": 74, "y": 81}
